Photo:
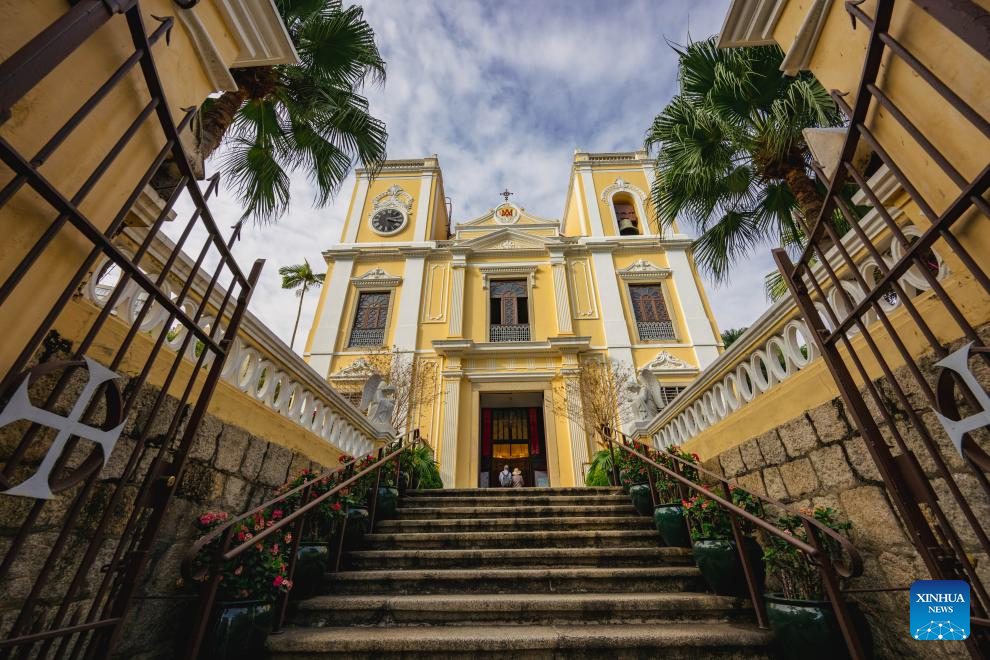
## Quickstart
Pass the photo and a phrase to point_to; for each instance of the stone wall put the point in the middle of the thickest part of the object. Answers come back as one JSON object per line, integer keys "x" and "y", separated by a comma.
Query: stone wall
{"x": 228, "y": 469}
{"x": 819, "y": 459}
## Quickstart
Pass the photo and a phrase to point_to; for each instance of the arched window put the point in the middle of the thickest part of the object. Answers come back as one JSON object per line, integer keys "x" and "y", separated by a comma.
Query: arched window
{"x": 625, "y": 215}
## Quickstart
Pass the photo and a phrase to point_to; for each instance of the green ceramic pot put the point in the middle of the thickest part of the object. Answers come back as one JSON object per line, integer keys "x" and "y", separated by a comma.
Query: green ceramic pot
{"x": 640, "y": 496}
{"x": 670, "y": 522}
{"x": 311, "y": 567}
{"x": 387, "y": 503}
{"x": 239, "y": 630}
{"x": 719, "y": 564}
{"x": 358, "y": 522}
{"x": 808, "y": 629}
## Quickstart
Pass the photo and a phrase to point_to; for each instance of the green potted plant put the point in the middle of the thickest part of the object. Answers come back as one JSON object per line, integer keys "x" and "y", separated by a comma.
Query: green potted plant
{"x": 668, "y": 517}
{"x": 420, "y": 468}
{"x": 249, "y": 584}
{"x": 634, "y": 474}
{"x": 714, "y": 548}
{"x": 314, "y": 547}
{"x": 600, "y": 469}
{"x": 800, "y": 615}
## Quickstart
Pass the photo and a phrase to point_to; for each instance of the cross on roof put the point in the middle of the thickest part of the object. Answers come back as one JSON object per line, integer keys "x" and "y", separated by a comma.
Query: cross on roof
{"x": 505, "y": 193}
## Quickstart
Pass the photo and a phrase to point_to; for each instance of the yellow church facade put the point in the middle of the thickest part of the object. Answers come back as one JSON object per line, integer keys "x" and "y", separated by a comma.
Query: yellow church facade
{"x": 505, "y": 309}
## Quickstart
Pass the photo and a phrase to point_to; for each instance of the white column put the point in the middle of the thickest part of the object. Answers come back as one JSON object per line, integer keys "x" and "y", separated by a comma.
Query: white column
{"x": 560, "y": 293}
{"x": 695, "y": 318}
{"x": 613, "y": 318}
{"x": 422, "y": 218}
{"x": 456, "y": 328}
{"x": 407, "y": 318}
{"x": 448, "y": 443}
{"x": 591, "y": 203}
{"x": 579, "y": 440}
{"x": 325, "y": 338}
{"x": 354, "y": 219}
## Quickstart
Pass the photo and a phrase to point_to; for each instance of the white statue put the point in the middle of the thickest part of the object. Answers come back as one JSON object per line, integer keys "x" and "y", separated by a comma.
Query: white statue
{"x": 381, "y": 407}
{"x": 643, "y": 406}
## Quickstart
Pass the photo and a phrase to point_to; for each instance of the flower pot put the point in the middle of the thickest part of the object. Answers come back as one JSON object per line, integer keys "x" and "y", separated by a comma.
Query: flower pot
{"x": 358, "y": 522}
{"x": 387, "y": 504}
{"x": 641, "y": 499}
{"x": 239, "y": 630}
{"x": 670, "y": 522}
{"x": 719, "y": 563}
{"x": 404, "y": 479}
{"x": 625, "y": 480}
{"x": 311, "y": 567}
{"x": 808, "y": 629}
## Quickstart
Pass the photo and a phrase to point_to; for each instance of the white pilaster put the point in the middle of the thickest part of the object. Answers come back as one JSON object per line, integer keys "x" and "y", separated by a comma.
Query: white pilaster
{"x": 591, "y": 203}
{"x": 332, "y": 314}
{"x": 354, "y": 219}
{"x": 407, "y": 319}
{"x": 695, "y": 318}
{"x": 448, "y": 443}
{"x": 613, "y": 319}
{"x": 456, "y": 327}
{"x": 561, "y": 295}
{"x": 422, "y": 218}
{"x": 579, "y": 440}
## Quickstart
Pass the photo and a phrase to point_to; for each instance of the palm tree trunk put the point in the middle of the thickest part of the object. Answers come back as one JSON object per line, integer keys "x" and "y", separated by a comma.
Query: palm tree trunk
{"x": 298, "y": 314}
{"x": 215, "y": 121}
{"x": 806, "y": 195}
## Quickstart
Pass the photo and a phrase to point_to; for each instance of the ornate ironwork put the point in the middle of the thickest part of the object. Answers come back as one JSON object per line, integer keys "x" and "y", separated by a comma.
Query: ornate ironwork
{"x": 655, "y": 330}
{"x": 77, "y": 588}
{"x": 875, "y": 353}
{"x": 514, "y": 332}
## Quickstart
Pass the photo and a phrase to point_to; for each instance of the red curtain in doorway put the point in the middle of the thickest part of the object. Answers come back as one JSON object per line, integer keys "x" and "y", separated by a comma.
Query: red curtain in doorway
{"x": 486, "y": 432}
{"x": 534, "y": 432}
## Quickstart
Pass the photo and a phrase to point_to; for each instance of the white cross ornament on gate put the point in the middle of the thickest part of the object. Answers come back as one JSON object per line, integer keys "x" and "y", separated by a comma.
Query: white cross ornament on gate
{"x": 20, "y": 408}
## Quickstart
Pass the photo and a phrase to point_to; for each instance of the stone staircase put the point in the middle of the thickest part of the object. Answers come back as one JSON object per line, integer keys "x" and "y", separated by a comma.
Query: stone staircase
{"x": 530, "y": 573}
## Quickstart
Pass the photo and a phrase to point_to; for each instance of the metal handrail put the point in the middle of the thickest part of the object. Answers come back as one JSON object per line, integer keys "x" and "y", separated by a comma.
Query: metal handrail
{"x": 225, "y": 532}
{"x": 814, "y": 548}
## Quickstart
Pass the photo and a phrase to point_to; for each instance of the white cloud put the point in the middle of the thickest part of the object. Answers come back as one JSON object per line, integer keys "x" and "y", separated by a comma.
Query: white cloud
{"x": 503, "y": 92}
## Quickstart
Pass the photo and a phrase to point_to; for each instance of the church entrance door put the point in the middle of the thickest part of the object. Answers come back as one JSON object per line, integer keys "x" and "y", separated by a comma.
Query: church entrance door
{"x": 513, "y": 437}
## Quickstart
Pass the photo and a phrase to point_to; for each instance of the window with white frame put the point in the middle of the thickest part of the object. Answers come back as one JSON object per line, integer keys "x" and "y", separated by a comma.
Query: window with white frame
{"x": 370, "y": 318}
{"x": 652, "y": 319}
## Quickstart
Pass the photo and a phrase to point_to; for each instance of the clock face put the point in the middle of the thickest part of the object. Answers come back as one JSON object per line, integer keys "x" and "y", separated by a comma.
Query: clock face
{"x": 387, "y": 220}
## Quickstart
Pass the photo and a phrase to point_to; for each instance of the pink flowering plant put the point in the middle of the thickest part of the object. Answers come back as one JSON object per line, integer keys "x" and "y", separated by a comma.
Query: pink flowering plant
{"x": 632, "y": 469}
{"x": 669, "y": 489}
{"x": 707, "y": 519}
{"x": 798, "y": 577}
{"x": 260, "y": 572}
{"x": 320, "y": 523}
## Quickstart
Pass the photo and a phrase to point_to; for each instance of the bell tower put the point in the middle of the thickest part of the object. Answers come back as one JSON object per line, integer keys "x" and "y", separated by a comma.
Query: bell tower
{"x": 401, "y": 202}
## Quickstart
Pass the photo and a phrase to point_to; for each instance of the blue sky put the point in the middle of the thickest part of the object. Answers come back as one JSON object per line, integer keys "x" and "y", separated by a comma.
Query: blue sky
{"x": 503, "y": 92}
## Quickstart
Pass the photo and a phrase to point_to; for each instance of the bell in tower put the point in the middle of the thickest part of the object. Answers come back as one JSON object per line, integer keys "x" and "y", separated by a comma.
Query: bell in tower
{"x": 628, "y": 223}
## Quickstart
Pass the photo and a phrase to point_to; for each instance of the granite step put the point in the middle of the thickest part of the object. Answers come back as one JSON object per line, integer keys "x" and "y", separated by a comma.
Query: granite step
{"x": 589, "y": 538}
{"x": 578, "y": 641}
{"x": 439, "y": 501}
{"x": 518, "y": 609}
{"x": 409, "y": 511}
{"x": 518, "y": 557}
{"x": 509, "y": 524}
{"x": 583, "y": 491}
{"x": 517, "y": 580}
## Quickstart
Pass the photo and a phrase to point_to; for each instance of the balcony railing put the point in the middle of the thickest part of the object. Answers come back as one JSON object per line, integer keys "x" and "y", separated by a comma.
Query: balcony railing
{"x": 367, "y": 337}
{"x": 655, "y": 330}
{"x": 515, "y": 332}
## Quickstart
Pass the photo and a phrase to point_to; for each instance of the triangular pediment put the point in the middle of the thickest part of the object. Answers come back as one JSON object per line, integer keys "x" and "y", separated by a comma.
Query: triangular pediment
{"x": 508, "y": 239}
{"x": 507, "y": 215}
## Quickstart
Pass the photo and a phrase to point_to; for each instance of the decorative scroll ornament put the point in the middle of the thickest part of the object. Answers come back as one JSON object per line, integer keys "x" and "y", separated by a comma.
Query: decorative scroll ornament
{"x": 644, "y": 270}
{"x": 376, "y": 278}
{"x": 507, "y": 244}
{"x": 666, "y": 361}
{"x": 621, "y": 185}
{"x": 360, "y": 369}
{"x": 958, "y": 430}
{"x": 393, "y": 198}
{"x": 40, "y": 485}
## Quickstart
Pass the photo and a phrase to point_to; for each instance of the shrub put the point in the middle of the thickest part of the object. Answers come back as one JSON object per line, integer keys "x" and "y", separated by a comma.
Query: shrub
{"x": 798, "y": 576}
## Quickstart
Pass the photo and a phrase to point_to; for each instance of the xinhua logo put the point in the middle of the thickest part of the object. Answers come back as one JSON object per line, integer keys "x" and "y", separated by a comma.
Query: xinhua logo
{"x": 939, "y": 609}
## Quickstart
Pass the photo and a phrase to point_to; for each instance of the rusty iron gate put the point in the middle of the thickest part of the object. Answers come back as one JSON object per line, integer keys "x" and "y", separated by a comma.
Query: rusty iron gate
{"x": 877, "y": 299}
{"x": 95, "y": 426}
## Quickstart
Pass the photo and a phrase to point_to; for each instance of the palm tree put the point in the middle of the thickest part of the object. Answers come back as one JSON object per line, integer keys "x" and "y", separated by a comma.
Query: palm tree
{"x": 731, "y": 159}
{"x": 294, "y": 277}
{"x": 730, "y": 335}
{"x": 307, "y": 116}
